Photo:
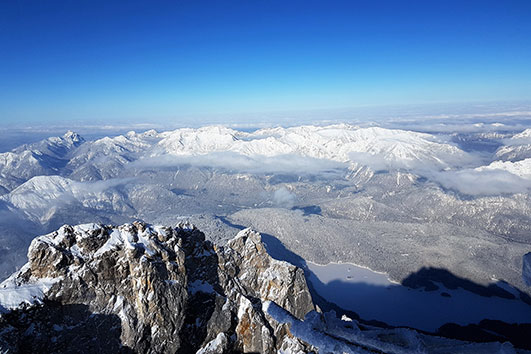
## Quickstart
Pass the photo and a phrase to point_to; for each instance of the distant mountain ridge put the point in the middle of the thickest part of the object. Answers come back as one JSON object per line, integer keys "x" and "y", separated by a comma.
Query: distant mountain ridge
{"x": 71, "y": 156}
{"x": 379, "y": 148}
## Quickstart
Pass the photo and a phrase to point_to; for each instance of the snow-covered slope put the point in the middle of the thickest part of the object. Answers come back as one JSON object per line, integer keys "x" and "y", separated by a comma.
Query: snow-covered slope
{"x": 39, "y": 191}
{"x": 520, "y": 168}
{"x": 517, "y": 148}
{"x": 526, "y": 134}
{"x": 41, "y": 197}
{"x": 514, "y": 152}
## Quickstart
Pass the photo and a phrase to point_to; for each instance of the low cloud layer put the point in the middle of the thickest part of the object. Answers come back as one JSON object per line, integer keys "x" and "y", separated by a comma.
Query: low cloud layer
{"x": 252, "y": 164}
{"x": 486, "y": 182}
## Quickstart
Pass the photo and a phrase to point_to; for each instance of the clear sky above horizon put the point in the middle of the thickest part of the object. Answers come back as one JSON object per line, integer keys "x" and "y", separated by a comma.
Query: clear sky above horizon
{"x": 151, "y": 61}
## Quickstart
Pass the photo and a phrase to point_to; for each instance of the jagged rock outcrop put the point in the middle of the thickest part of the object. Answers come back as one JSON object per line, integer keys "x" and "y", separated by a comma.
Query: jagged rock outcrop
{"x": 149, "y": 289}
{"x": 139, "y": 288}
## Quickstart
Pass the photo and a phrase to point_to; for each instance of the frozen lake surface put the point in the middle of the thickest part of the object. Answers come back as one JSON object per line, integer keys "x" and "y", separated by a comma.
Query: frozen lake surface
{"x": 374, "y": 297}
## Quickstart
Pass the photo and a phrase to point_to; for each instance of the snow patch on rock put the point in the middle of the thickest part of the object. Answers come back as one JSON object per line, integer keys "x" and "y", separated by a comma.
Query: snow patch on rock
{"x": 14, "y": 293}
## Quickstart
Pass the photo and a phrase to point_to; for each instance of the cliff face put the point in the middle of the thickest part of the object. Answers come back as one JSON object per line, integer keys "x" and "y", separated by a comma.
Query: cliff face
{"x": 149, "y": 289}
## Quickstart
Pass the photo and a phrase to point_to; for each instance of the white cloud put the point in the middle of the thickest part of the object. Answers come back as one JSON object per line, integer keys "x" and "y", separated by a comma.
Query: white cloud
{"x": 482, "y": 182}
{"x": 284, "y": 198}
{"x": 252, "y": 164}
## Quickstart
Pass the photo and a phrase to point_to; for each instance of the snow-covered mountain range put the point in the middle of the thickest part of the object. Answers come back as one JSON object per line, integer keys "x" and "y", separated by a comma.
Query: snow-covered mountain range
{"x": 337, "y": 142}
{"x": 377, "y": 148}
{"x": 106, "y": 157}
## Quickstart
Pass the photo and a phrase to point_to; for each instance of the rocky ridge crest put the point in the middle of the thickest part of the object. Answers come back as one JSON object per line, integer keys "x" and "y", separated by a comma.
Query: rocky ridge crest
{"x": 159, "y": 289}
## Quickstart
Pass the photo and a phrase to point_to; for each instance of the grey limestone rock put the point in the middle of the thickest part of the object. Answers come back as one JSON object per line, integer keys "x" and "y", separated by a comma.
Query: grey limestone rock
{"x": 149, "y": 289}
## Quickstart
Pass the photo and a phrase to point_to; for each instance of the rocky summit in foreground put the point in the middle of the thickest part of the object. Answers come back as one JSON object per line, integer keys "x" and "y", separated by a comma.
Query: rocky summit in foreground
{"x": 148, "y": 289}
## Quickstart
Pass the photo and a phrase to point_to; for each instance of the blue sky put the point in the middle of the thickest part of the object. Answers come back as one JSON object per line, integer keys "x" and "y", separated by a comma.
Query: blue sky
{"x": 105, "y": 61}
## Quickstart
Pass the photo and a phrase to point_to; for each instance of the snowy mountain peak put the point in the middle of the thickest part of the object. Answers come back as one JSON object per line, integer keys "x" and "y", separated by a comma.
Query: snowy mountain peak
{"x": 73, "y": 137}
{"x": 198, "y": 141}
